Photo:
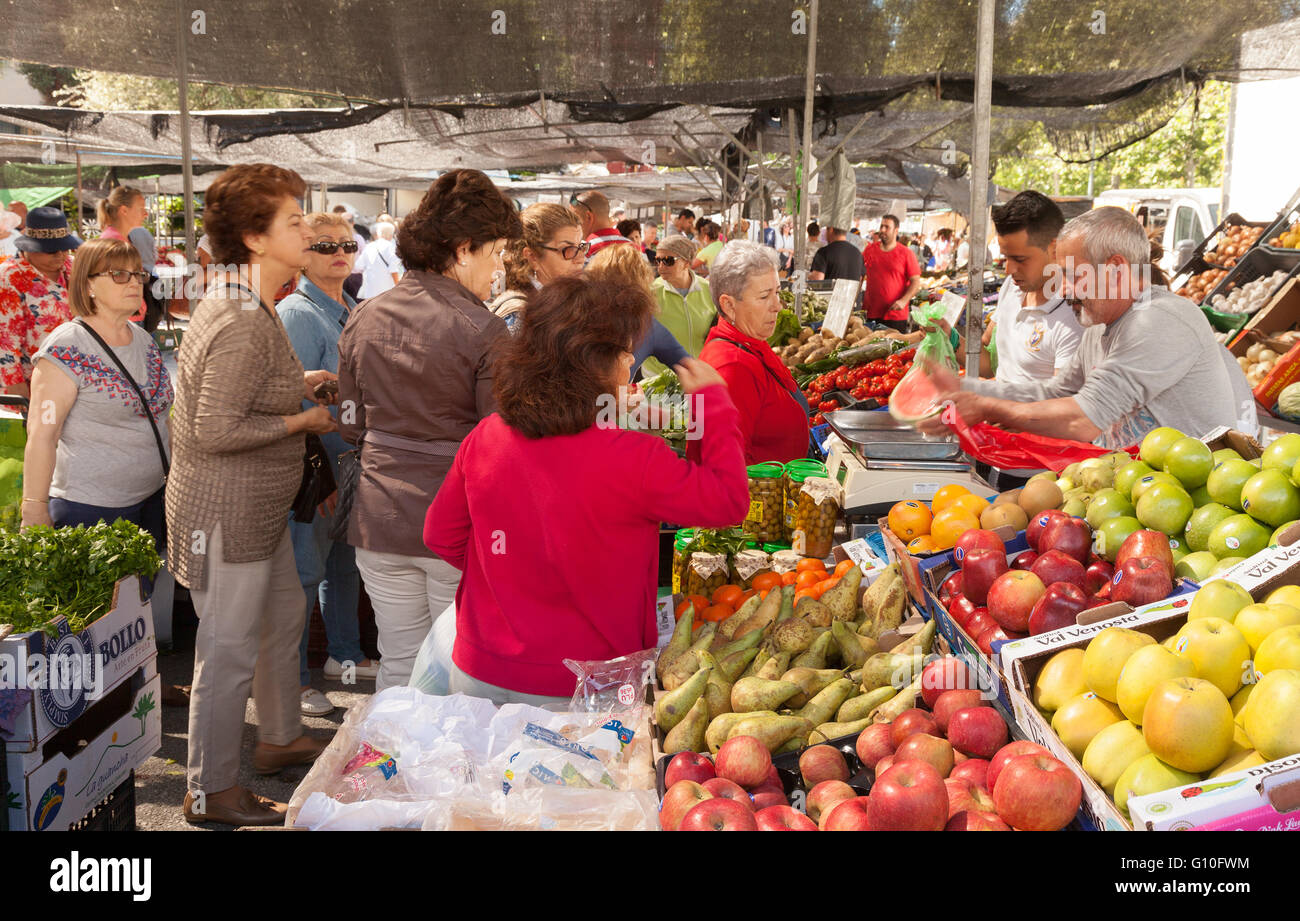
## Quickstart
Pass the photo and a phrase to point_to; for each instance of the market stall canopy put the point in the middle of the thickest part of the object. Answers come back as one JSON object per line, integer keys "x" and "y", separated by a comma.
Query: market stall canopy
{"x": 33, "y": 196}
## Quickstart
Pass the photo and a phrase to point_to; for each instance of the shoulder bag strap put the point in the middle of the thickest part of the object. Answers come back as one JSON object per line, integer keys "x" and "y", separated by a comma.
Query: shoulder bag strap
{"x": 780, "y": 383}
{"x": 148, "y": 413}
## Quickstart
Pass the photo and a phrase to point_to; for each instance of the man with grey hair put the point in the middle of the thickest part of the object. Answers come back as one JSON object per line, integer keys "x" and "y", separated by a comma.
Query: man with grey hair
{"x": 378, "y": 263}
{"x": 1148, "y": 358}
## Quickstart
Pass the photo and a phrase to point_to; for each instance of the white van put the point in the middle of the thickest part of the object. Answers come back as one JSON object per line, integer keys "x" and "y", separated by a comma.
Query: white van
{"x": 1184, "y": 217}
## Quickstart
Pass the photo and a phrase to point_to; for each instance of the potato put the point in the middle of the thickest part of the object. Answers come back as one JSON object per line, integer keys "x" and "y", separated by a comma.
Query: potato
{"x": 817, "y": 355}
{"x": 805, "y": 334}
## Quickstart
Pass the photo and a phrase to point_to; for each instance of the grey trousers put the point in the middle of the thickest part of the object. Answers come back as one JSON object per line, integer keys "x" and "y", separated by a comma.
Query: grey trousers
{"x": 250, "y": 621}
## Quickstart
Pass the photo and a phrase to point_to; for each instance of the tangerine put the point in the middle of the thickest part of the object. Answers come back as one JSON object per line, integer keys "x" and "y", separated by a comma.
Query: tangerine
{"x": 809, "y": 579}
{"x": 909, "y": 519}
{"x": 951, "y": 524}
{"x": 844, "y": 566}
{"x": 767, "y": 581}
{"x": 946, "y": 496}
{"x": 809, "y": 563}
{"x": 717, "y": 612}
{"x": 728, "y": 595}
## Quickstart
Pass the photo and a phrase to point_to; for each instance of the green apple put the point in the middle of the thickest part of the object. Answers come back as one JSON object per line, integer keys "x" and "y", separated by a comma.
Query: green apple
{"x": 1157, "y": 443}
{"x": 1149, "y": 480}
{"x": 1196, "y": 566}
{"x": 1148, "y": 775}
{"x": 1146, "y": 668}
{"x": 1223, "y": 454}
{"x": 1178, "y": 548}
{"x": 1201, "y": 496}
{"x": 1165, "y": 508}
{"x": 1188, "y": 724}
{"x": 1129, "y": 474}
{"x": 1112, "y": 534}
{"x": 1202, "y": 522}
{"x": 1270, "y": 497}
{"x": 1240, "y": 535}
{"x": 1258, "y": 621}
{"x": 1105, "y": 656}
{"x": 1285, "y": 594}
{"x": 1219, "y": 598}
{"x": 1095, "y": 474}
{"x": 1273, "y": 717}
{"x": 1280, "y": 649}
{"x": 1226, "y": 563}
{"x": 1190, "y": 460}
{"x": 1075, "y": 508}
{"x": 1060, "y": 678}
{"x": 1284, "y": 453}
{"x": 1107, "y": 504}
{"x": 1225, "y": 482}
{"x": 1295, "y": 474}
{"x": 1219, "y": 652}
{"x": 1111, "y": 751}
{"x": 1082, "y": 717}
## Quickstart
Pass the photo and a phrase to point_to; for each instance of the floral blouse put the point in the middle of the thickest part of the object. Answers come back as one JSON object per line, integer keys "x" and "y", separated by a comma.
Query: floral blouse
{"x": 31, "y": 307}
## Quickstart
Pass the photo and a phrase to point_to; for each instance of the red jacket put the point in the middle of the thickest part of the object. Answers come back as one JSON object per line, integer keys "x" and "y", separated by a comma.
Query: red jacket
{"x": 558, "y": 540}
{"x": 773, "y": 422}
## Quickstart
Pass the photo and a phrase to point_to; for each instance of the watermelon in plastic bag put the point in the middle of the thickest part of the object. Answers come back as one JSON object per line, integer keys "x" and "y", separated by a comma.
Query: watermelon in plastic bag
{"x": 916, "y": 397}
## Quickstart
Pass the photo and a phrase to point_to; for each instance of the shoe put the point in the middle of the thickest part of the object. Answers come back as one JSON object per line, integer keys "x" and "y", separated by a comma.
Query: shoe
{"x": 334, "y": 669}
{"x": 250, "y": 809}
{"x": 270, "y": 759}
{"x": 314, "y": 703}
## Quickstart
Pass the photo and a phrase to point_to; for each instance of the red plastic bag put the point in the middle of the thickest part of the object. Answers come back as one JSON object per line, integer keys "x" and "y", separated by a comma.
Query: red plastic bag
{"x": 1018, "y": 450}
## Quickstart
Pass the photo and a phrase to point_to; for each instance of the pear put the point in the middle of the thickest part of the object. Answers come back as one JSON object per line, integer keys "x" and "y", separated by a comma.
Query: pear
{"x": 773, "y": 731}
{"x": 813, "y": 612}
{"x": 887, "y": 602}
{"x": 680, "y": 642}
{"x": 687, "y": 664}
{"x": 854, "y": 649}
{"x": 763, "y": 616}
{"x": 727, "y": 629}
{"x": 794, "y": 745}
{"x": 860, "y": 707}
{"x": 717, "y": 692}
{"x": 688, "y": 735}
{"x": 760, "y": 659}
{"x": 888, "y": 669}
{"x": 719, "y": 726}
{"x": 775, "y": 667}
{"x": 672, "y": 708}
{"x": 760, "y": 694}
{"x": 792, "y": 636}
{"x": 828, "y": 701}
{"x": 842, "y": 600}
{"x": 815, "y": 656}
{"x": 920, "y": 641}
{"x": 787, "y": 603}
{"x": 747, "y": 640}
{"x": 735, "y": 664}
{"x": 893, "y": 708}
{"x": 703, "y": 637}
{"x": 827, "y": 731}
{"x": 811, "y": 680}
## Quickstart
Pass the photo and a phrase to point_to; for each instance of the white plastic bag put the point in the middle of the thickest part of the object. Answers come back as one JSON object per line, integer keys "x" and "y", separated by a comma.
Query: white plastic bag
{"x": 430, "y": 673}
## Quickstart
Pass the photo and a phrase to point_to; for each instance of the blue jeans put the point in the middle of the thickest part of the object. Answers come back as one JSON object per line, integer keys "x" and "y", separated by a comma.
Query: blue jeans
{"x": 328, "y": 571}
{"x": 148, "y": 515}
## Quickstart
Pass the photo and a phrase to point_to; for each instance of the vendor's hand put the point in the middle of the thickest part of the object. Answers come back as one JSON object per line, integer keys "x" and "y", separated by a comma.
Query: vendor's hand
{"x": 944, "y": 326}
{"x": 695, "y": 375}
{"x": 970, "y": 406}
{"x": 901, "y": 304}
{"x": 312, "y": 380}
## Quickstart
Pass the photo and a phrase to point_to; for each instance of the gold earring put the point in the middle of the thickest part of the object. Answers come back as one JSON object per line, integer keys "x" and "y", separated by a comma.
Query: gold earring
{"x": 261, "y": 252}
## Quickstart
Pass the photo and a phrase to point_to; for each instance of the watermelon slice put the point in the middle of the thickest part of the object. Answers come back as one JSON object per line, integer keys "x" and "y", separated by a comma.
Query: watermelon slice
{"x": 915, "y": 398}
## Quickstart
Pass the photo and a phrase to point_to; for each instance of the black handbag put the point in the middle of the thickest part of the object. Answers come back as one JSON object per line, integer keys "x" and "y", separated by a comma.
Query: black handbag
{"x": 317, "y": 481}
{"x": 349, "y": 476}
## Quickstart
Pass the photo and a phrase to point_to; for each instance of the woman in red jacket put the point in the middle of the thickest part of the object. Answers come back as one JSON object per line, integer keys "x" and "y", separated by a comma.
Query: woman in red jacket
{"x": 552, "y": 513}
{"x": 773, "y": 411}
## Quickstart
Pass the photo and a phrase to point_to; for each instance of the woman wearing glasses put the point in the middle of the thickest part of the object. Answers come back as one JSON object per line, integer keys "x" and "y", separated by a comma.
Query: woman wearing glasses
{"x": 95, "y": 455}
{"x": 685, "y": 305}
{"x": 314, "y": 316}
{"x": 551, "y": 247}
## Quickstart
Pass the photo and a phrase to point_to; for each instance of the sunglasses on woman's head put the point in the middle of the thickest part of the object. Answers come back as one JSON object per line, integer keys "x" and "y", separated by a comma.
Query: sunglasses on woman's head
{"x": 329, "y": 249}
{"x": 571, "y": 251}
{"x": 666, "y": 260}
{"x": 122, "y": 276}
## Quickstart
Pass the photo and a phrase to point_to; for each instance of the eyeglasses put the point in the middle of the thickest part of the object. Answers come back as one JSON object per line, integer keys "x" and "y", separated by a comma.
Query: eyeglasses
{"x": 329, "y": 249}
{"x": 122, "y": 276}
{"x": 575, "y": 202}
{"x": 666, "y": 260}
{"x": 571, "y": 251}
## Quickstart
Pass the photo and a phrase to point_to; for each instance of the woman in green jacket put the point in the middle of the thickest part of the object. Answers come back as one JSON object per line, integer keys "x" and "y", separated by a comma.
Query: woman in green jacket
{"x": 685, "y": 303}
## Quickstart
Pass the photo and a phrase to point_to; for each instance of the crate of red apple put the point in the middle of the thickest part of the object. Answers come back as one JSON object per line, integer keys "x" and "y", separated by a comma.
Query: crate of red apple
{"x": 875, "y": 380}
{"x": 947, "y": 765}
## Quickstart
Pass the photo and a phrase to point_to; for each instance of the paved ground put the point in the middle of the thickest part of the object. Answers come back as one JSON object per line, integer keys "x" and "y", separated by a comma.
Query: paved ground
{"x": 160, "y": 781}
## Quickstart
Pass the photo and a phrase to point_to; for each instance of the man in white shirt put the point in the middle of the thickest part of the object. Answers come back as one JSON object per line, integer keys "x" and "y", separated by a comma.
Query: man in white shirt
{"x": 378, "y": 263}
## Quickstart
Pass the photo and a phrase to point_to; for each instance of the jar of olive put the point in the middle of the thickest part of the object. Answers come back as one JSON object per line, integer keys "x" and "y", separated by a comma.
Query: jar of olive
{"x": 793, "y": 476}
{"x": 766, "y": 497}
{"x": 682, "y": 557}
{"x": 817, "y": 507}
{"x": 784, "y": 561}
{"x": 707, "y": 573}
{"x": 746, "y": 565}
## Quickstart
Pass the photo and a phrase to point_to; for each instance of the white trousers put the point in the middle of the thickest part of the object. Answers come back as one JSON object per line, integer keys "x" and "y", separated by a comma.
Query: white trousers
{"x": 407, "y": 593}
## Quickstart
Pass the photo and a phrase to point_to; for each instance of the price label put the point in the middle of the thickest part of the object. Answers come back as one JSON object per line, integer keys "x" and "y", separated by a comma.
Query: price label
{"x": 925, "y": 490}
{"x": 626, "y": 695}
{"x": 755, "y": 512}
{"x": 859, "y": 551}
{"x": 843, "y": 298}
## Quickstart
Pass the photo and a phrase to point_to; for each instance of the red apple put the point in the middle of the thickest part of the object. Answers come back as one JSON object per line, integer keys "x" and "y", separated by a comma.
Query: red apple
{"x": 981, "y": 568}
{"x": 744, "y": 760}
{"x": 1151, "y": 544}
{"x": 964, "y": 796}
{"x": 822, "y": 762}
{"x": 1012, "y": 598}
{"x": 1037, "y": 793}
{"x": 960, "y": 609}
{"x": 678, "y": 800}
{"x": 1025, "y": 560}
{"x": 910, "y": 796}
{"x": 1071, "y": 536}
{"x": 1059, "y": 607}
{"x": 977, "y": 731}
{"x": 1055, "y": 566}
{"x": 951, "y": 588}
{"x": 773, "y": 778}
{"x": 884, "y": 764}
{"x": 993, "y": 634}
{"x": 823, "y": 797}
{"x": 934, "y": 751}
{"x": 783, "y": 818}
{"x": 944, "y": 674}
{"x": 1034, "y": 530}
{"x": 1097, "y": 574}
{"x": 689, "y": 766}
{"x": 1141, "y": 580}
{"x": 849, "y": 815}
{"x": 975, "y": 770}
{"x": 976, "y": 821}
{"x": 722, "y": 788}
{"x": 766, "y": 796}
{"x": 978, "y": 622}
{"x": 874, "y": 742}
{"x": 950, "y": 702}
{"x": 1006, "y": 753}
{"x": 976, "y": 539}
{"x": 909, "y": 722}
{"x": 719, "y": 814}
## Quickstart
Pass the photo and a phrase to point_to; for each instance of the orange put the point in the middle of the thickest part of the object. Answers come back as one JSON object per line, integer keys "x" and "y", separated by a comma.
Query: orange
{"x": 844, "y": 566}
{"x": 824, "y": 586}
{"x": 716, "y": 612}
{"x": 766, "y": 581}
{"x": 698, "y": 624}
{"x": 727, "y": 594}
{"x": 787, "y": 578}
{"x": 808, "y": 563}
{"x": 683, "y": 608}
{"x": 809, "y": 579}
{"x": 971, "y": 503}
{"x": 749, "y": 593}
{"x": 909, "y": 519}
{"x": 951, "y": 524}
{"x": 923, "y": 544}
{"x": 699, "y": 601}
{"x": 946, "y": 496}
{"x": 803, "y": 593}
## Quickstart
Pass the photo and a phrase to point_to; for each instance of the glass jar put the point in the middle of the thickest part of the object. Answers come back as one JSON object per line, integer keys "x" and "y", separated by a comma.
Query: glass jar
{"x": 681, "y": 557}
{"x": 784, "y": 561}
{"x": 707, "y": 573}
{"x": 748, "y": 565}
{"x": 817, "y": 508}
{"x": 793, "y": 477}
{"x": 766, "y": 497}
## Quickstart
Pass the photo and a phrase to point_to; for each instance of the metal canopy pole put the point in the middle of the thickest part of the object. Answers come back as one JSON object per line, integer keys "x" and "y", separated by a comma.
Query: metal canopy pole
{"x": 809, "y": 86}
{"x": 80, "y": 231}
{"x": 187, "y": 167}
{"x": 979, "y": 186}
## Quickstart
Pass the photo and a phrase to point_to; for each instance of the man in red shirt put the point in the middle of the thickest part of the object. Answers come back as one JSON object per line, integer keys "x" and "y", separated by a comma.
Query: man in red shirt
{"x": 892, "y": 277}
{"x": 597, "y": 229}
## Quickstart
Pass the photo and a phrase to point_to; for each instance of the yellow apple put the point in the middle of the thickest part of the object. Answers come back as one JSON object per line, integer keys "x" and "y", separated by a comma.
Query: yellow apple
{"x": 1146, "y": 775}
{"x": 1242, "y": 761}
{"x": 1286, "y": 594}
{"x": 1143, "y": 671}
{"x": 1218, "y": 650}
{"x": 1273, "y": 717}
{"x": 1188, "y": 724}
{"x": 1218, "y": 598}
{"x": 1105, "y": 656}
{"x": 1170, "y": 642}
{"x": 1082, "y": 717}
{"x": 1257, "y": 621}
{"x": 1239, "y": 701}
{"x": 1280, "y": 649}
{"x": 1111, "y": 751}
{"x": 1060, "y": 679}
